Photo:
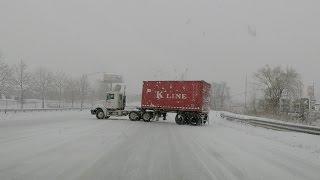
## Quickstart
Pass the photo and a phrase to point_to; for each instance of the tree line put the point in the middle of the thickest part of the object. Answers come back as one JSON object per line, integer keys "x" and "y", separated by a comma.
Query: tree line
{"x": 271, "y": 86}
{"x": 277, "y": 83}
{"x": 20, "y": 82}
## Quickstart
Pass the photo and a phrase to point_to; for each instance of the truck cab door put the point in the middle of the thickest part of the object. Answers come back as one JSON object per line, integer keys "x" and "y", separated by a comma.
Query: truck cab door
{"x": 110, "y": 101}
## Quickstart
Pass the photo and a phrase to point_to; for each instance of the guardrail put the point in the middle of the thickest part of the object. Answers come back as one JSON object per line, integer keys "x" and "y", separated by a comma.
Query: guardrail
{"x": 40, "y": 110}
{"x": 273, "y": 124}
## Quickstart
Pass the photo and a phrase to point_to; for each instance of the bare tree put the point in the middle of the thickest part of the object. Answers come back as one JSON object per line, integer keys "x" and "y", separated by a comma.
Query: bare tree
{"x": 277, "y": 81}
{"x": 72, "y": 90}
{"x": 5, "y": 77}
{"x": 59, "y": 82}
{"x": 42, "y": 82}
{"x": 21, "y": 79}
{"x": 84, "y": 86}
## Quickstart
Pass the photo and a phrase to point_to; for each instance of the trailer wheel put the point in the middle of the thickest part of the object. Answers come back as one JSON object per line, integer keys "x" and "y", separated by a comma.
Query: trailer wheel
{"x": 180, "y": 119}
{"x": 147, "y": 116}
{"x": 205, "y": 119}
{"x": 195, "y": 119}
{"x": 134, "y": 116}
{"x": 100, "y": 114}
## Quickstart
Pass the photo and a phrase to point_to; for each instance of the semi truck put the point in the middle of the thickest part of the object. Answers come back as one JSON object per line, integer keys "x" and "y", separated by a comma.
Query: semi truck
{"x": 189, "y": 100}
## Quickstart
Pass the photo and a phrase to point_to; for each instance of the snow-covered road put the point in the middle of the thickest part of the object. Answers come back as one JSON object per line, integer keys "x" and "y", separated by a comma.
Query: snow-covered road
{"x": 75, "y": 145}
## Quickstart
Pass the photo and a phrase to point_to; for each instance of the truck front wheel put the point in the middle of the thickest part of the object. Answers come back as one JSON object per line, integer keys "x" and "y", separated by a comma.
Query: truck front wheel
{"x": 100, "y": 114}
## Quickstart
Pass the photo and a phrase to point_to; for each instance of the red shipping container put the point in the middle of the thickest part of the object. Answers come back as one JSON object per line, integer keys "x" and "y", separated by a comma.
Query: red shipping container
{"x": 176, "y": 95}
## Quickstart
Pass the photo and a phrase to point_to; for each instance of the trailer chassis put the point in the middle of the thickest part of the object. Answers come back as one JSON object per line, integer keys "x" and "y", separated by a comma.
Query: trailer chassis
{"x": 147, "y": 115}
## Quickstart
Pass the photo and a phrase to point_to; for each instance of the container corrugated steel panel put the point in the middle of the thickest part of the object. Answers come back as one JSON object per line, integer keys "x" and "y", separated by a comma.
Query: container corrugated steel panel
{"x": 176, "y": 95}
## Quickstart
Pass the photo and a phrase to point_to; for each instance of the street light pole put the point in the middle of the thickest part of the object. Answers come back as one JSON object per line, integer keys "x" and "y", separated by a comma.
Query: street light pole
{"x": 246, "y": 93}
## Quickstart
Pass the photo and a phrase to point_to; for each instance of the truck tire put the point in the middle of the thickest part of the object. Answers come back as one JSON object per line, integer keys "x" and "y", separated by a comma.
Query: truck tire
{"x": 134, "y": 116}
{"x": 195, "y": 119}
{"x": 147, "y": 116}
{"x": 180, "y": 119}
{"x": 100, "y": 114}
{"x": 205, "y": 119}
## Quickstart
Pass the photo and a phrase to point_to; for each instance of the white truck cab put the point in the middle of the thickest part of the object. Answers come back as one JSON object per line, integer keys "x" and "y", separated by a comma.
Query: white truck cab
{"x": 113, "y": 105}
{"x": 115, "y": 101}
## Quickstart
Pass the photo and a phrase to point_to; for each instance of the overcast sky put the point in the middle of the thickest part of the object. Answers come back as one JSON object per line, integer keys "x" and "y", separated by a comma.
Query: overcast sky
{"x": 217, "y": 40}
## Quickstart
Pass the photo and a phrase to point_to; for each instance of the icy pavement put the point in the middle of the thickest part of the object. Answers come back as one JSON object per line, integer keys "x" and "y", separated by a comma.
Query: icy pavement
{"x": 74, "y": 145}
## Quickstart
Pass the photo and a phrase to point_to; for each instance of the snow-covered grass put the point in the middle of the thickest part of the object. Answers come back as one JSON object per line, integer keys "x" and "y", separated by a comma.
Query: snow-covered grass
{"x": 306, "y": 143}
{"x": 262, "y": 118}
{"x": 25, "y": 116}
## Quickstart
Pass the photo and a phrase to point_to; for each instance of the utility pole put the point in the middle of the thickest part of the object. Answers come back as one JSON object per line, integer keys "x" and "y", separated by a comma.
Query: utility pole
{"x": 313, "y": 100}
{"x": 314, "y": 90}
{"x": 246, "y": 92}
